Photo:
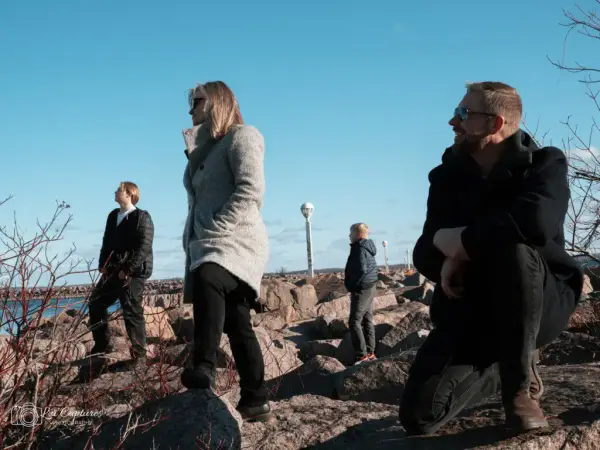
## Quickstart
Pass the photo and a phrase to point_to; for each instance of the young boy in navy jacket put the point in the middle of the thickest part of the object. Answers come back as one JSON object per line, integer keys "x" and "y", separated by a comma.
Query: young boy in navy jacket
{"x": 359, "y": 279}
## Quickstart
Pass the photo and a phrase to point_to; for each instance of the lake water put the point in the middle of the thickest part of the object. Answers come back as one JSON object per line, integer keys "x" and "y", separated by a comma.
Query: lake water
{"x": 56, "y": 306}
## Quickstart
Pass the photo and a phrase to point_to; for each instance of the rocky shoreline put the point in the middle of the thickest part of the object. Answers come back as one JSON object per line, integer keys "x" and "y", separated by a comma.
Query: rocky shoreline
{"x": 159, "y": 287}
{"x": 319, "y": 399}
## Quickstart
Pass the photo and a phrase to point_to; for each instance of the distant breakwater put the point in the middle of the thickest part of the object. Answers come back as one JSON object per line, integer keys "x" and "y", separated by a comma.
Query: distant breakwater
{"x": 153, "y": 287}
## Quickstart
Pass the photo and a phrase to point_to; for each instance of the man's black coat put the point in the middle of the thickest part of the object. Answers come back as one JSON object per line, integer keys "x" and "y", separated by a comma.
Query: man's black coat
{"x": 523, "y": 200}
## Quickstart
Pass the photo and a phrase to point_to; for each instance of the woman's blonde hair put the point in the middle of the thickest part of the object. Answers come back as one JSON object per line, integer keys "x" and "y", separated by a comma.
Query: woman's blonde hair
{"x": 221, "y": 108}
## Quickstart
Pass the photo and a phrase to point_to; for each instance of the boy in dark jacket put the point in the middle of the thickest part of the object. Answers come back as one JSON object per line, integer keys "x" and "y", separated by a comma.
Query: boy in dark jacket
{"x": 360, "y": 278}
{"x": 125, "y": 263}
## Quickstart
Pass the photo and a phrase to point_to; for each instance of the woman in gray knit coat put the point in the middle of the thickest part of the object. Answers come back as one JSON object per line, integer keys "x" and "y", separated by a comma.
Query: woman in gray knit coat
{"x": 225, "y": 241}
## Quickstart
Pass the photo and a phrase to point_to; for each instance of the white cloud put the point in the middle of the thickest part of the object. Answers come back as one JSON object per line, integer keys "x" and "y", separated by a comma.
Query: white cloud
{"x": 587, "y": 155}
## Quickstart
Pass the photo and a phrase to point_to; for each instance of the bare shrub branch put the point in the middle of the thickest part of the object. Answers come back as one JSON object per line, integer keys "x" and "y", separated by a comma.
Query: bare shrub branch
{"x": 583, "y": 218}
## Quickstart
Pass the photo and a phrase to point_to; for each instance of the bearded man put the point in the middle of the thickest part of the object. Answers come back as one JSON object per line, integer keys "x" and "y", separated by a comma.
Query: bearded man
{"x": 493, "y": 242}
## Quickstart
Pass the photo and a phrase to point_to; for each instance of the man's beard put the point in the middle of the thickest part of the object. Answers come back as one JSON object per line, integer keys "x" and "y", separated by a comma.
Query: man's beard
{"x": 468, "y": 144}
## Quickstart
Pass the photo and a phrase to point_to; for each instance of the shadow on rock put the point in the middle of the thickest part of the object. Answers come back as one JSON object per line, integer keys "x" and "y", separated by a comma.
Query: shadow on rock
{"x": 387, "y": 434}
{"x": 315, "y": 377}
{"x": 576, "y": 428}
{"x": 92, "y": 368}
{"x": 581, "y": 415}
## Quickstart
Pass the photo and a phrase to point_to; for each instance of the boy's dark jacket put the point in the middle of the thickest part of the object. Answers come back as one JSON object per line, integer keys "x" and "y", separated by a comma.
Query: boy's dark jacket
{"x": 523, "y": 200}
{"x": 128, "y": 247}
{"x": 361, "y": 267}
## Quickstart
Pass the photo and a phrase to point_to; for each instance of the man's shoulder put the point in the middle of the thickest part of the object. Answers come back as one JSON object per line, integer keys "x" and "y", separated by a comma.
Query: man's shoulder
{"x": 438, "y": 173}
{"x": 549, "y": 164}
{"x": 548, "y": 155}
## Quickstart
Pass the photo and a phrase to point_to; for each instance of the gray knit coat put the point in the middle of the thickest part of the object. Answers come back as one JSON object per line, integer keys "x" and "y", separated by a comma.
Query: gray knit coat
{"x": 225, "y": 185}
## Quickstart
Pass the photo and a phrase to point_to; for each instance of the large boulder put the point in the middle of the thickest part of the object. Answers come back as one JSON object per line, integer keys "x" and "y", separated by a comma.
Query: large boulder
{"x": 330, "y": 326}
{"x": 305, "y": 297}
{"x": 316, "y": 376}
{"x": 422, "y": 293}
{"x": 380, "y": 381}
{"x": 324, "y": 347}
{"x": 384, "y": 320}
{"x": 280, "y": 355}
{"x": 327, "y": 284}
{"x": 586, "y": 317}
{"x": 397, "y": 339}
{"x": 193, "y": 419}
{"x": 167, "y": 301}
{"x": 158, "y": 325}
{"x": 416, "y": 279}
{"x": 341, "y": 307}
{"x": 275, "y": 294}
{"x": 274, "y": 320}
{"x": 182, "y": 322}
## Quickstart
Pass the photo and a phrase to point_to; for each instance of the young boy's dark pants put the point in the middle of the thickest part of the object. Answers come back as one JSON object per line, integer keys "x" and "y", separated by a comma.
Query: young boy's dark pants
{"x": 361, "y": 321}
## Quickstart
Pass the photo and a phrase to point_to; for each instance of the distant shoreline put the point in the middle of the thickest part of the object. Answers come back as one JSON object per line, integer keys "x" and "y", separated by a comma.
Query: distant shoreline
{"x": 163, "y": 286}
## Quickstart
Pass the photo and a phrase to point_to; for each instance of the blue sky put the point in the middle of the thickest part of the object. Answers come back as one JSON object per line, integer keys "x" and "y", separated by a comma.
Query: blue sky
{"x": 353, "y": 101}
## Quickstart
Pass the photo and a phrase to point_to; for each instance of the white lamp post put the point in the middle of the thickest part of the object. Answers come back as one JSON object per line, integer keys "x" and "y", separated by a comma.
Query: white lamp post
{"x": 307, "y": 210}
{"x": 385, "y": 255}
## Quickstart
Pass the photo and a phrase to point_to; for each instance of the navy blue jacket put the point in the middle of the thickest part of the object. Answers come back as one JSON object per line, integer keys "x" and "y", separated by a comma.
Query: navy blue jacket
{"x": 361, "y": 267}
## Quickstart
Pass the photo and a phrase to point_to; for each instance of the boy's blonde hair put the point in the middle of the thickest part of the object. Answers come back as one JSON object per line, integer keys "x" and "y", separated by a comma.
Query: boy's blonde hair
{"x": 361, "y": 228}
{"x": 131, "y": 189}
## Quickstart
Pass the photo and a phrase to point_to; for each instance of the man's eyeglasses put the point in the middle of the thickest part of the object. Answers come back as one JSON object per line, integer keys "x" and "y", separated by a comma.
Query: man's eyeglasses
{"x": 462, "y": 112}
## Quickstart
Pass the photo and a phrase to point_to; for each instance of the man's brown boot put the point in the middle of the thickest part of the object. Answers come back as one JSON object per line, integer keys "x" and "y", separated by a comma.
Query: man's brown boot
{"x": 536, "y": 387}
{"x": 523, "y": 413}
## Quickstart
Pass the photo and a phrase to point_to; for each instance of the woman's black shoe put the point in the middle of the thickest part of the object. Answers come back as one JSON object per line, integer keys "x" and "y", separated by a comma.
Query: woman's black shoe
{"x": 195, "y": 379}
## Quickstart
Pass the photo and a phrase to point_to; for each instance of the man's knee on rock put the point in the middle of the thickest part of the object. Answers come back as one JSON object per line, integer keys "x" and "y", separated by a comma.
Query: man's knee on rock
{"x": 419, "y": 413}
{"x": 502, "y": 258}
{"x": 416, "y": 422}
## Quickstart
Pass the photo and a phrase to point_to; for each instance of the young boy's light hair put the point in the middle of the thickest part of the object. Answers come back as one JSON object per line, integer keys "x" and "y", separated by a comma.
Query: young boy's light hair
{"x": 132, "y": 189}
{"x": 362, "y": 229}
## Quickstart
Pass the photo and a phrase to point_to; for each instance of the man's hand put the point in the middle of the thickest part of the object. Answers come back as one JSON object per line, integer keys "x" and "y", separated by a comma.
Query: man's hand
{"x": 449, "y": 242}
{"x": 122, "y": 275}
{"x": 452, "y": 277}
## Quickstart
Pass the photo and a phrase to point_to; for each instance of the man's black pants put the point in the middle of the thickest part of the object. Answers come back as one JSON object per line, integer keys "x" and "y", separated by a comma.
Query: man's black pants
{"x": 508, "y": 307}
{"x": 130, "y": 294}
{"x": 222, "y": 304}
